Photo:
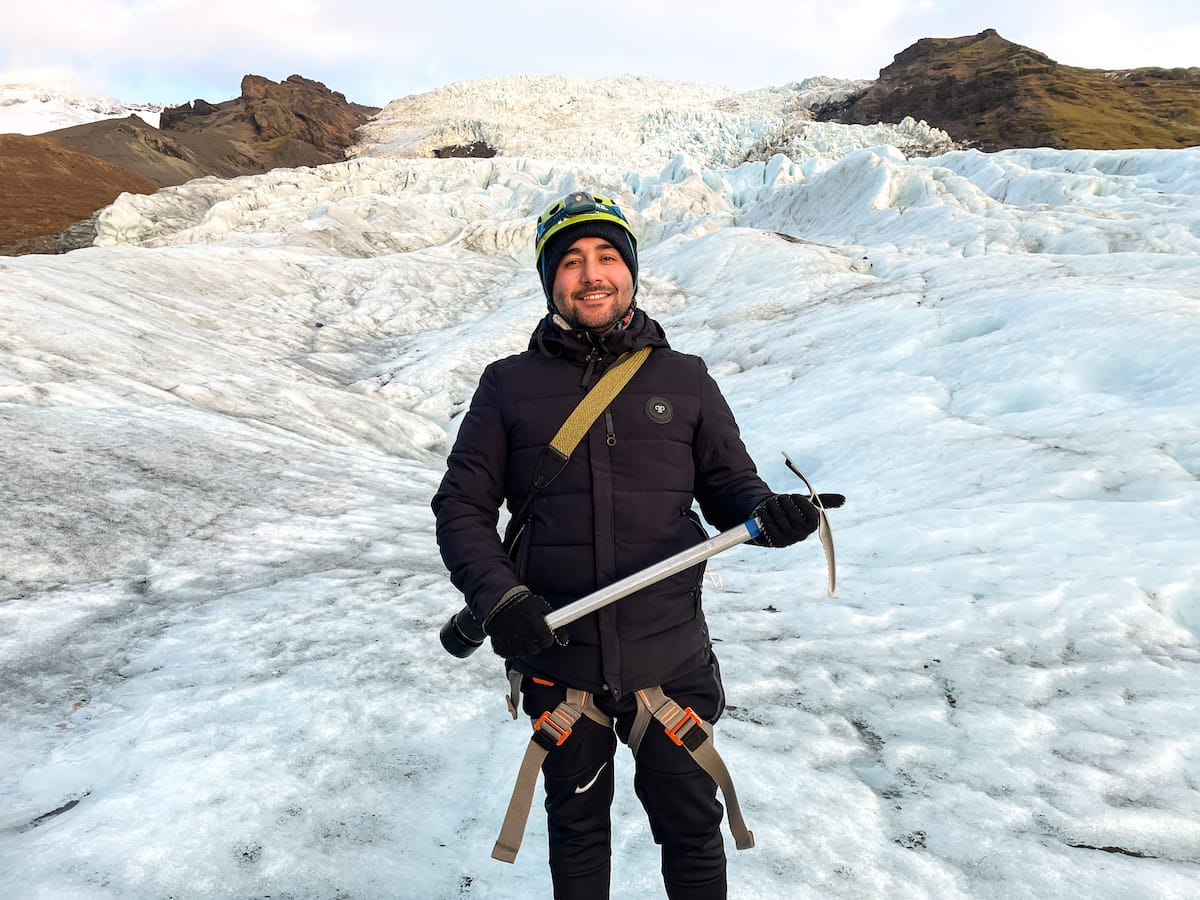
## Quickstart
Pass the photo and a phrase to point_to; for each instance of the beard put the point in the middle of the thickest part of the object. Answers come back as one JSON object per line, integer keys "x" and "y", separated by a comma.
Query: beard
{"x": 594, "y": 316}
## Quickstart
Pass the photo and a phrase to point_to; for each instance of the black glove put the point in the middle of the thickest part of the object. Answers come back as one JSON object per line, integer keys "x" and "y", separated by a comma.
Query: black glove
{"x": 832, "y": 501}
{"x": 517, "y": 626}
{"x": 786, "y": 519}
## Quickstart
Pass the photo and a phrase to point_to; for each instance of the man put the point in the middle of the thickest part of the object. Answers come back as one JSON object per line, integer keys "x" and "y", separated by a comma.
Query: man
{"x": 623, "y": 502}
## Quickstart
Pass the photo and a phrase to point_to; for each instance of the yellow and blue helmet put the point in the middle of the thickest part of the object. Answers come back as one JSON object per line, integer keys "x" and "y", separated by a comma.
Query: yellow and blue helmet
{"x": 578, "y": 215}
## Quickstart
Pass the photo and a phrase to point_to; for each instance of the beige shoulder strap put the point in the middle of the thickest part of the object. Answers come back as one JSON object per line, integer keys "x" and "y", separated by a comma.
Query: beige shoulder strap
{"x": 597, "y": 399}
{"x": 557, "y": 453}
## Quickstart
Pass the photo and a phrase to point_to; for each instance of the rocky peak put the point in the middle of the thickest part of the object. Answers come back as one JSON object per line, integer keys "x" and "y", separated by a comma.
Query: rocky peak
{"x": 298, "y": 122}
{"x": 297, "y": 109}
{"x": 963, "y": 54}
{"x": 302, "y": 109}
{"x": 989, "y": 92}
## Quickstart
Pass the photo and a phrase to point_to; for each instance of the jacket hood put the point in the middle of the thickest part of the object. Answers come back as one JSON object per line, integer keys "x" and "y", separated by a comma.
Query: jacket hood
{"x": 552, "y": 339}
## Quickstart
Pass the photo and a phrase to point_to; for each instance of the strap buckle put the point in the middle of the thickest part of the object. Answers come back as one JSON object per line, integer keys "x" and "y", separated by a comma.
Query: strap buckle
{"x": 547, "y": 726}
{"x": 689, "y": 718}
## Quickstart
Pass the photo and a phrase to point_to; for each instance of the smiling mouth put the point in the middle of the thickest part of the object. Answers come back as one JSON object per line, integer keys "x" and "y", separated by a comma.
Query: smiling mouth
{"x": 593, "y": 296}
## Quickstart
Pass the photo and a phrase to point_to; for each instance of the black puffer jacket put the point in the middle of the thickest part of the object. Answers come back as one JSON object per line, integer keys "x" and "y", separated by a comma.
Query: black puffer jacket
{"x": 623, "y": 502}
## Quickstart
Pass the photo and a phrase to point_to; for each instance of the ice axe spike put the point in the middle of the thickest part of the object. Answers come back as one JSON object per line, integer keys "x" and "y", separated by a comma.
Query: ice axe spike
{"x": 823, "y": 530}
{"x": 685, "y": 559}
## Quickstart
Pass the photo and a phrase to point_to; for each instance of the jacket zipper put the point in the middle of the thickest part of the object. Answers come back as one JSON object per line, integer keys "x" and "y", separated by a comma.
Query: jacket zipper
{"x": 608, "y": 424}
{"x": 590, "y": 370}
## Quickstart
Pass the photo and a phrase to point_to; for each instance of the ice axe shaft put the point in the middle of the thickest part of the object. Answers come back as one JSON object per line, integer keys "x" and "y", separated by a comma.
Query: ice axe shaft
{"x": 462, "y": 635}
{"x": 685, "y": 559}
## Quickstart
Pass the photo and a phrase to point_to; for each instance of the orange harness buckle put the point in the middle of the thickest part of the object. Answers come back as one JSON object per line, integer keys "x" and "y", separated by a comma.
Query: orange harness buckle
{"x": 688, "y": 716}
{"x": 553, "y": 730}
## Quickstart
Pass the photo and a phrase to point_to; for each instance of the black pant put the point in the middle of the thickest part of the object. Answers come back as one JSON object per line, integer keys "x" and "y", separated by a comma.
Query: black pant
{"x": 679, "y": 797}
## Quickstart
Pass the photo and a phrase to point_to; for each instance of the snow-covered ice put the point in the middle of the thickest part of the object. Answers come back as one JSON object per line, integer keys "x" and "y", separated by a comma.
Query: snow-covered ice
{"x": 634, "y": 120}
{"x": 220, "y": 592}
{"x": 36, "y": 108}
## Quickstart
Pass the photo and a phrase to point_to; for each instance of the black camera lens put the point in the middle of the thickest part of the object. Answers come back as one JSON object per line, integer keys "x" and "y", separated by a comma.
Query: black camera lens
{"x": 462, "y": 635}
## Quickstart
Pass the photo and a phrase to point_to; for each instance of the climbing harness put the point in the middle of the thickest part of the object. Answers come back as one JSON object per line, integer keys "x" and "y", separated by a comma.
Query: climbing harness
{"x": 554, "y": 727}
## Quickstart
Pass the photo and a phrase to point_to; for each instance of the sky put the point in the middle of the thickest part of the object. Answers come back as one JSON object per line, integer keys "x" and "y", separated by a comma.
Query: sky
{"x": 220, "y": 590}
{"x": 173, "y": 51}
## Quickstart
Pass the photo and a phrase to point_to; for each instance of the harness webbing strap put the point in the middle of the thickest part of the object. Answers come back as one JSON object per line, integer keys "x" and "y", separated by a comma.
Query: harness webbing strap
{"x": 694, "y": 735}
{"x": 550, "y": 730}
{"x": 512, "y": 831}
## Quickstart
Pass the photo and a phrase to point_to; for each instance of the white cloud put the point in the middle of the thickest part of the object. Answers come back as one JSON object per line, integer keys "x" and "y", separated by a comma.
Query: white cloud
{"x": 374, "y": 53}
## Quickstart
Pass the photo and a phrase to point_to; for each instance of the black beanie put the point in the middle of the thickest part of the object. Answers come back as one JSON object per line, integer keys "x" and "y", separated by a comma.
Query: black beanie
{"x": 556, "y": 248}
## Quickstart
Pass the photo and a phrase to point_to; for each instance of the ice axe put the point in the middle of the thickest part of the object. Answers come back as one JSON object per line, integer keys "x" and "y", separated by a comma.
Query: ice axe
{"x": 463, "y": 634}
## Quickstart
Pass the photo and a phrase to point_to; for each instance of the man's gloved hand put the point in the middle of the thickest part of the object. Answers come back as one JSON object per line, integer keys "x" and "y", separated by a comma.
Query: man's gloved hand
{"x": 517, "y": 626}
{"x": 786, "y": 519}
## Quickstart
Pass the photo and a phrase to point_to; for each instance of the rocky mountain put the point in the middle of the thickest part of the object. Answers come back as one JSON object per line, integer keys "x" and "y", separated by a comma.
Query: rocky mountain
{"x": 990, "y": 93}
{"x": 140, "y": 148}
{"x": 297, "y": 122}
{"x": 48, "y": 187}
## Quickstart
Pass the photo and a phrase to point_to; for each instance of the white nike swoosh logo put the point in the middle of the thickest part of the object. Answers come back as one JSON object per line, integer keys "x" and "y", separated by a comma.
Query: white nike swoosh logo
{"x": 580, "y": 790}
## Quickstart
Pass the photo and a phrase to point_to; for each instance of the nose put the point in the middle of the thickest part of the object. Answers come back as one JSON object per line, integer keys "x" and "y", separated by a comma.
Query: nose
{"x": 590, "y": 271}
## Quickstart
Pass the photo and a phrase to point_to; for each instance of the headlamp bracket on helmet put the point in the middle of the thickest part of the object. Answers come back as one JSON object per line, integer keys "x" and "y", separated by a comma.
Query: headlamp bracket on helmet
{"x": 582, "y": 202}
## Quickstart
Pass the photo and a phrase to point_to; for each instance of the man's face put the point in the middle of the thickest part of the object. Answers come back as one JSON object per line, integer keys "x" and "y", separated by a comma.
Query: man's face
{"x": 593, "y": 287}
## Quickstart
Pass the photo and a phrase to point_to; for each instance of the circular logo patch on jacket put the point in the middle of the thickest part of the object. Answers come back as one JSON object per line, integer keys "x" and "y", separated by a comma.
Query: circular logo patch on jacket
{"x": 659, "y": 410}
